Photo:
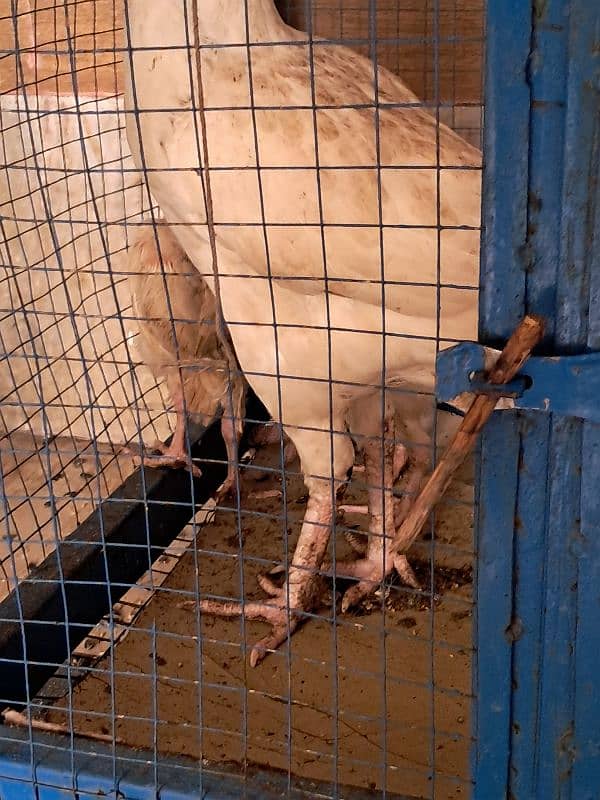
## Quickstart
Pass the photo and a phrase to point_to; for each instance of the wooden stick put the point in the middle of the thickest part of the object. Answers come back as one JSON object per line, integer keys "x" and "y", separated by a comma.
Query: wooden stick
{"x": 511, "y": 359}
{"x": 12, "y": 717}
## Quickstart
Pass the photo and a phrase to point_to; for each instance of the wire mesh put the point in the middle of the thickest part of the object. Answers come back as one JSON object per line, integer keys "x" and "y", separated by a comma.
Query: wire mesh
{"x": 326, "y": 205}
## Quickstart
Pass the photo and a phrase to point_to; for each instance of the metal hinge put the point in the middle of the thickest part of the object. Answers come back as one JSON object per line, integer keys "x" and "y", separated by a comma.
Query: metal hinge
{"x": 566, "y": 385}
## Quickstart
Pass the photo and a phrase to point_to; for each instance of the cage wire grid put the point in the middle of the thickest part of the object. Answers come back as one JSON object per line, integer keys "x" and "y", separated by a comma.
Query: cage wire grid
{"x": 377, "y": 699}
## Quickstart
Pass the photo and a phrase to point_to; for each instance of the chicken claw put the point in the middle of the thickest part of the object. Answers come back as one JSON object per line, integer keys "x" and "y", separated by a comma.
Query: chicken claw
{"x": 283, "y": 621}
{"x": 371, "y": 575}
{"x": 297, "y": 597}
{"x": 383, "y": 462}
{"x": 168, "y": 457}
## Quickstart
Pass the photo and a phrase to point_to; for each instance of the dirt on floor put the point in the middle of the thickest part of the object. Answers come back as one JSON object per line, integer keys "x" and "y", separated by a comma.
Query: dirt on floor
{"x": 376, "y": 698}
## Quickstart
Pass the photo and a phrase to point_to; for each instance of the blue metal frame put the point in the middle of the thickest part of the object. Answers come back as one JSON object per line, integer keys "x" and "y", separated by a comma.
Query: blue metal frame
{"x": 537, "y": 725}
{"x": 565, "y": 385}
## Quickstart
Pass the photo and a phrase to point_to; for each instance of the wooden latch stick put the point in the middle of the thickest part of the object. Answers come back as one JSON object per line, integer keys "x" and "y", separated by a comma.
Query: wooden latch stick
{"x": 511, "y": 359}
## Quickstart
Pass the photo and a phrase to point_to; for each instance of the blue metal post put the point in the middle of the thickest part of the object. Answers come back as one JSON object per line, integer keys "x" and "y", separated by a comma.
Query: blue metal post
{"x": 538, "y": 584}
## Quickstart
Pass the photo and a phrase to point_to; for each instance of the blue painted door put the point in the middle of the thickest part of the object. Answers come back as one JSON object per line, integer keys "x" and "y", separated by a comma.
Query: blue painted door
{"x": 538, "y": 583}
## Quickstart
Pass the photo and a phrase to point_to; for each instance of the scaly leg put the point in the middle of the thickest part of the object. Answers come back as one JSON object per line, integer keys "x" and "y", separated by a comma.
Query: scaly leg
{"x": 262, "y": 436}
{"x": 400, "y": 460}
{"x": 231, "y": 431}
{"x": 298, "y": 595}
{"x": 381, "y": 462}
{"x": 358, "y": 541}
{"x": 174, "y": 455}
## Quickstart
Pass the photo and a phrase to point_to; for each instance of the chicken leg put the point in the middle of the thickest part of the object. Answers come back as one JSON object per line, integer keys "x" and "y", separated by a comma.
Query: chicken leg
{"x": 400, "y": 460}
{"x": 383, "y": 460}
{"x": 298, "y": 595}
{"x": 324, "y": 477}
{"x": 175, "y": 455}
{"x": 231, "y": 431}
{"x": 358, "y": 540}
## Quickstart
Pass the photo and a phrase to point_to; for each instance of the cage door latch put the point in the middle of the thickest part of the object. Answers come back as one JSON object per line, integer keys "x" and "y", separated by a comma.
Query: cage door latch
{"x": 565, "y": 385}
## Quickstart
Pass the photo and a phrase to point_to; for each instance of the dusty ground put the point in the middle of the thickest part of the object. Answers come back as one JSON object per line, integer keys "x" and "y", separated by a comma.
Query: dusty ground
{"x": 408, "y": 664}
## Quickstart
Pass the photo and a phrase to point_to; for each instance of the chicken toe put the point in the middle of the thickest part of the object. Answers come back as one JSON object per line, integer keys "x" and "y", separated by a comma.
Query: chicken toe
{"x": 175, "y": 455}
{"x": 383, "y": 462}
{"x": 297, "y": 597}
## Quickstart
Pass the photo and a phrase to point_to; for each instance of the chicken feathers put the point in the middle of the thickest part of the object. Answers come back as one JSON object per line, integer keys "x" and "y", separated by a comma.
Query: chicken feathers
{"x": 178, "y": 342}
{"x": 346, "y": 227}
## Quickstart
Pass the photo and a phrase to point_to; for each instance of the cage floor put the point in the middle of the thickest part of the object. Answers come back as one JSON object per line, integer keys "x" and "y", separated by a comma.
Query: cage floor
{"x": 49, "y": 488}
{"x": 388, "y": 691}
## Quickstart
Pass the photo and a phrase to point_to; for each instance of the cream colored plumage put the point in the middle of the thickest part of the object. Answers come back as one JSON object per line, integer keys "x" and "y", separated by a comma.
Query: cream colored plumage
{"x": 319, "y": 367}
{"x": 177, "y": 339}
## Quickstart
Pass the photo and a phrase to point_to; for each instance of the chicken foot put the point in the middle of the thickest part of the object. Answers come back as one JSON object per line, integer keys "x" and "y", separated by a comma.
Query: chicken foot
{"x": 175, "y": 455}
{"x": 386, "y": 512}
{"x": 299, "y": 594}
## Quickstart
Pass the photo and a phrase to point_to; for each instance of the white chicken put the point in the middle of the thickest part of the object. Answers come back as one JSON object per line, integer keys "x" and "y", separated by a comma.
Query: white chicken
{"x": 177, "y": 340}
{"x": 337, "y": 204}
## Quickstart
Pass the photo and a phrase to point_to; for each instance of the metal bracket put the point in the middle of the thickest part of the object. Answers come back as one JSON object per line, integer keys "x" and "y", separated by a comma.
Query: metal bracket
{"x": 566, "y": 385}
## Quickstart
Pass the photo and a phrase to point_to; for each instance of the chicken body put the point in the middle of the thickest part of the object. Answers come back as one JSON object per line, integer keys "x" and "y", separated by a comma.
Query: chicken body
{"x": 359, "y": 194}
{"x": 177, "y": 340}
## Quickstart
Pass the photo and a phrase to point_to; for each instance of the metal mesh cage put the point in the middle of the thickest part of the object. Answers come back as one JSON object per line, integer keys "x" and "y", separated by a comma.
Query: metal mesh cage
{"x": 106, "y": 563}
